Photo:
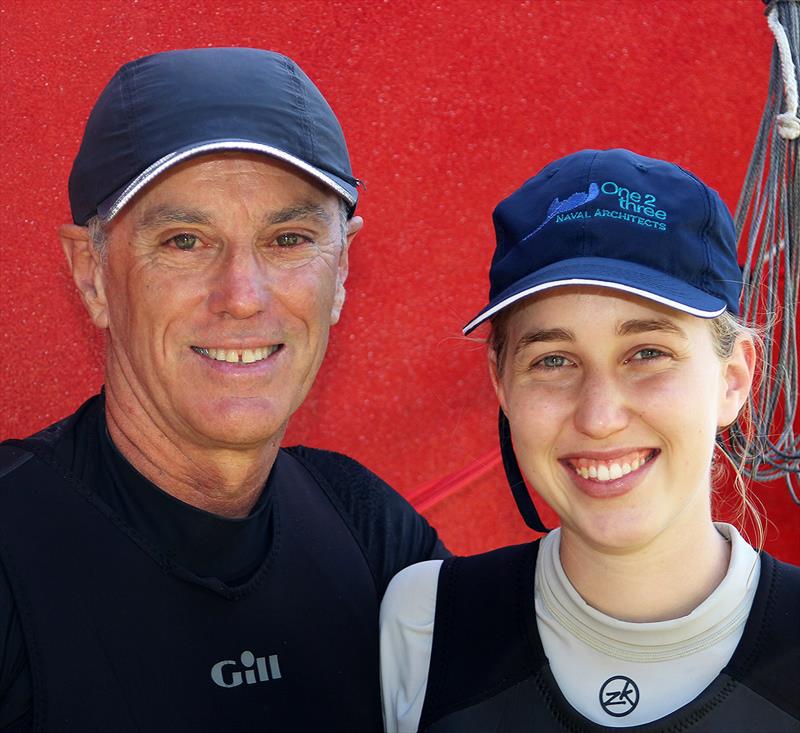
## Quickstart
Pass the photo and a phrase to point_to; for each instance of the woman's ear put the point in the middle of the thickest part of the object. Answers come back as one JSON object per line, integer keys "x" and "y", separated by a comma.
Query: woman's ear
{"x": 737, "y": 379}
{"x": 85, "y": 264}
{"x": 496, "y": 377}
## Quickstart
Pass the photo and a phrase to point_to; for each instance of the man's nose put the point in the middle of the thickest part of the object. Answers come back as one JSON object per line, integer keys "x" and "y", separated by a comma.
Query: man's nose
{"x": 602, "y": 406}
{"x": 240, "y": 284}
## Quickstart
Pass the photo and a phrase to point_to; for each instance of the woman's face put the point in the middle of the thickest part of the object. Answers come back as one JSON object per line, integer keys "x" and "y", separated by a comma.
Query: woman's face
{"x": 614, "y": 403}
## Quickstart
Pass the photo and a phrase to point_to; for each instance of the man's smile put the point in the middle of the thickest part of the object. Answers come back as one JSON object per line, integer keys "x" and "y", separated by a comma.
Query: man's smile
{"x": 237, "y": 356}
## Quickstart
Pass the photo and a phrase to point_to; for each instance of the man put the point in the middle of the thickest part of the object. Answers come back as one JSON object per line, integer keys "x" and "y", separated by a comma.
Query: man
{"x": 164, "y": 565}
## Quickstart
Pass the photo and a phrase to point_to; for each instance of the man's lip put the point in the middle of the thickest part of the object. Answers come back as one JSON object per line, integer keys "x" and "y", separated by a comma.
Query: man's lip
{"x": 238, "y": 354}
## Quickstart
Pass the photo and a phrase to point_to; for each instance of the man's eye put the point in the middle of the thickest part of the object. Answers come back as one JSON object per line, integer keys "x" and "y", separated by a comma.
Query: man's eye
{"x": 289, "y": 239}
{"x": 552, "y": 361}
{"x": 184, "y": 241}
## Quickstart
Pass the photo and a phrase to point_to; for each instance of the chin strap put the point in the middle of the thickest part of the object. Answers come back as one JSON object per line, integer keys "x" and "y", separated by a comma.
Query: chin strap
{"x": 521, "y": 496}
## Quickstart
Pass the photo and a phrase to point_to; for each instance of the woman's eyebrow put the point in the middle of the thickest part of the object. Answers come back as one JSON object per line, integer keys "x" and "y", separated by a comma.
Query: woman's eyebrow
{"x": 541, "y": 335}
{"x": 646, "y": 325}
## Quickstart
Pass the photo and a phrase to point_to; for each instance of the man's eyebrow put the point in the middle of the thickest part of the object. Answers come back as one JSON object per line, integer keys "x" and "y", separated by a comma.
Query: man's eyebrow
{"x": 645, "y": 325}
{"x": 300, "y": 211}
{"x": 541, "y": 335}
{"x": 162, "y": 215}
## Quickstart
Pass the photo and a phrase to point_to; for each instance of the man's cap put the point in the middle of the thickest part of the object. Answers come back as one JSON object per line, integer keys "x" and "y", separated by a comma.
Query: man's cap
{"x": 615, "y": 219}
{"x": 162, "y": 109}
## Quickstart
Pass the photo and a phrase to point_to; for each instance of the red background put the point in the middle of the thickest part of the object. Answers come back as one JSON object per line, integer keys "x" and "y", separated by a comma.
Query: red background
{"x": 447, "y": 106}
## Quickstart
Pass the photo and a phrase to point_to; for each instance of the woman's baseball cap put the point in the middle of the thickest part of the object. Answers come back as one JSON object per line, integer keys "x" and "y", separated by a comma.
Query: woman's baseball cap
{"x": 162, "y": 109}
{"x": 615, "y": 219}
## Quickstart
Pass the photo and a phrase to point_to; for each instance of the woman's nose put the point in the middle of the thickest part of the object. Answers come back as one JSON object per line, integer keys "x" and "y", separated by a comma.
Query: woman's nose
{"x": 601, "y": 408}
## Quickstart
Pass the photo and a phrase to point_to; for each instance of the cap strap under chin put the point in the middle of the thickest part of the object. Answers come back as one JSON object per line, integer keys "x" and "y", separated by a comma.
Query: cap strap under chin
{"x": 515, "y": 480}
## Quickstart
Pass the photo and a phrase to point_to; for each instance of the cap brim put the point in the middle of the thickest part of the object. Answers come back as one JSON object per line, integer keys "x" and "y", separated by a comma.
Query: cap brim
{"x": 606, "y": 273}
{"x": 112, "y": 205}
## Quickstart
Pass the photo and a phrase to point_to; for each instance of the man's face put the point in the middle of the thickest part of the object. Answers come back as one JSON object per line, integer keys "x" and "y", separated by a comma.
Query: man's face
{"x": 221, "y": 282}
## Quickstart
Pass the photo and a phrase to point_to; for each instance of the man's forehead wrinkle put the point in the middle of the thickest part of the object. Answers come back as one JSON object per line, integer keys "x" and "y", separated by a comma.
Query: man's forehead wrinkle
{"x": 166, "y": 214}
{"x": 299, "y": 211}
{"x": 644, "y": 325}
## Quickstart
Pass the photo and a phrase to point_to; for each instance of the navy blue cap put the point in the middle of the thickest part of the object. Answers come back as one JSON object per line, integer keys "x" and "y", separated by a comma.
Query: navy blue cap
{"x": 612, "y": 218}
{"x": 162, "y": 109}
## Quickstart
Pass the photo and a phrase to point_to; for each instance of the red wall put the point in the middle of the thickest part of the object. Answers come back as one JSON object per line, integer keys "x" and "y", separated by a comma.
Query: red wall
{"x": 448, "y": 107}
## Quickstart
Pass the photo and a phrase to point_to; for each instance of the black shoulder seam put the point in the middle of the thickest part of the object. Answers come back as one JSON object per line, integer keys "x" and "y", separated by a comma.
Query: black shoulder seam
{"x": 740, "y": 670}
{"x": 434, "y": 706}
{"x": 47, "y": 457}
{"x": 327, "y": 487}
{"x": 17, "y": 456}
{"x": 20, "y": 599}
{"x": 781, "y": 590}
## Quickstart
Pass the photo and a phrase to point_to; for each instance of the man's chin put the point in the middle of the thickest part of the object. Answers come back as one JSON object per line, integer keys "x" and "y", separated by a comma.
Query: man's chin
{"x": 239, "y": 423}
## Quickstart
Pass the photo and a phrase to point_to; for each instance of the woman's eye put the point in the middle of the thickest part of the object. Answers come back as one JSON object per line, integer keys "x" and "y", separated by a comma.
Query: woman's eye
{"x": 184, "y": 241}
{"x": 648, "y": 354}
{"x": 289, "y": 239}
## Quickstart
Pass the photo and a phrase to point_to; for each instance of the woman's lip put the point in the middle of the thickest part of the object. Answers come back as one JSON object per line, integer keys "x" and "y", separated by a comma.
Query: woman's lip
{"x": 607, "y": 455}
{"x": 612, "y": 487}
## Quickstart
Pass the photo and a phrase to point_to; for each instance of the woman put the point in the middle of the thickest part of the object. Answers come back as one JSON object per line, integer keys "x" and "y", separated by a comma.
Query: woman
{"x": 617, "y": 359}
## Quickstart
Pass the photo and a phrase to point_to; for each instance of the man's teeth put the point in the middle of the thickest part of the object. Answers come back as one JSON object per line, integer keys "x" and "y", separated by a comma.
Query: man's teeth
{"x": 236, "y": 356}
{"x": 610, "y": 470}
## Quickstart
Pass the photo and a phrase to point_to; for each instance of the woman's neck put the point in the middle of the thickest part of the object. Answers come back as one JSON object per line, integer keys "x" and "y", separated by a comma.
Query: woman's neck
{"x": 664, "y": 580}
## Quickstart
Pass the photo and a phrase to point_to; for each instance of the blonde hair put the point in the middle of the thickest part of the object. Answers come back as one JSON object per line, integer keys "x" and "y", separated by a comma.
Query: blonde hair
{"x": 726, "y": 331}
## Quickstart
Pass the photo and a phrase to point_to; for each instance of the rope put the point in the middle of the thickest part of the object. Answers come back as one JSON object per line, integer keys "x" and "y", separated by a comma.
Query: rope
{"x": 788, "y": 122}
{"x": 768, "y": 227}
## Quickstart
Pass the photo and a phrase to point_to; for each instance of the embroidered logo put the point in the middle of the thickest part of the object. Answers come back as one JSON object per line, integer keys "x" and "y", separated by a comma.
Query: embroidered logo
{"x": 254, "y": 670}
{"x": 619, "y": 696}
{"x": 615, "y": 202}
{"x": 573, "y": 201}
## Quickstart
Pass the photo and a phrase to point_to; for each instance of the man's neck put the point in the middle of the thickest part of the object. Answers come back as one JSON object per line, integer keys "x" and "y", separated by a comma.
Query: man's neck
{"x": 221, "y": 480}
{"x": 667, "y": 579}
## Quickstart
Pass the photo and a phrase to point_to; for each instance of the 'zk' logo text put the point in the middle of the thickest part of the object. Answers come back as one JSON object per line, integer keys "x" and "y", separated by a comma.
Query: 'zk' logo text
{"x": 619, "y": 696}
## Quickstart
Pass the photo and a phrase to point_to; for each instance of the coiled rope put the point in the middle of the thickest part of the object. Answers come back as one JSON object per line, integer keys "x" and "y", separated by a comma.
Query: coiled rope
{"x": 768, "y": 227}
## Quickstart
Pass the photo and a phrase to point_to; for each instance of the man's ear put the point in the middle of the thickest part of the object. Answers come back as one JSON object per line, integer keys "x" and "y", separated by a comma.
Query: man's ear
{"x": 354, "y": 225}
{"x": 85, "y": 264}
{"x": 737, "y": 379}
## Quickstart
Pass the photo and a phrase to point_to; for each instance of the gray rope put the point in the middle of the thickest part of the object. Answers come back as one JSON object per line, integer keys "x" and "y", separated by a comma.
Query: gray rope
{"x": 768, "y": 225}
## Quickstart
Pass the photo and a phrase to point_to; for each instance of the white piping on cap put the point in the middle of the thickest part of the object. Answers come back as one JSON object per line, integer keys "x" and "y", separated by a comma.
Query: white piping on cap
{"x": 171, "y": 159}
{"x": 475, "y": 322}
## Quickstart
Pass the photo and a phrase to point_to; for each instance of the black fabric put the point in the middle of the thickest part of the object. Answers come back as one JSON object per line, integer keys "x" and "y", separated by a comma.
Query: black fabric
{"x": 488, "y": 671}
{"x": 770, "y": 648}
{"x": 15, "y": 679}
{"x": 483, "y": 607}
{"x": 141, "y": 619}
{"x": 391, "y": 533}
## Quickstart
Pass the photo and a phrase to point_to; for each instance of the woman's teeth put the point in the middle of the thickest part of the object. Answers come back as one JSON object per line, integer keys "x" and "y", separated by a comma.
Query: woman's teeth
{"x": 611, "y": 469}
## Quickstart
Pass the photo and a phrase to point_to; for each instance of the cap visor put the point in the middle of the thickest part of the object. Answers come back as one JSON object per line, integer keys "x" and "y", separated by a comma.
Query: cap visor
{"x": 606, "y": 273}
{"x": 111, "y": 206}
